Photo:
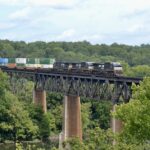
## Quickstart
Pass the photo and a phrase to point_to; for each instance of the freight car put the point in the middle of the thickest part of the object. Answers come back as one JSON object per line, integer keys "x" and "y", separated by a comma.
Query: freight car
{"x": 27, "y": 62}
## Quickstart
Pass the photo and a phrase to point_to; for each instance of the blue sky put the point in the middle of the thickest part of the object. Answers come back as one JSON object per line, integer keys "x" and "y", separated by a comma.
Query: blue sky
{"x": 97, "y": 21}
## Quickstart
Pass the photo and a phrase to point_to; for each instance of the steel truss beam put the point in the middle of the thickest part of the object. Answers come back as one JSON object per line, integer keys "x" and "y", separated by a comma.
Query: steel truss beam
{"x": 116, "y": 89}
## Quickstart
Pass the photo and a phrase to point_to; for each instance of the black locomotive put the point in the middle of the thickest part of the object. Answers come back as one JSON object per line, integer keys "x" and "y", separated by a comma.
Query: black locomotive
{"x": 101, "y": 69}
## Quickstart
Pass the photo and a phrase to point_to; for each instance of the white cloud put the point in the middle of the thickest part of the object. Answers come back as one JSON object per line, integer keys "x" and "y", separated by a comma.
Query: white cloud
{"x": 42, "y": 3}
{"x": 94, "y": 38}
{"x": 72, "y": 35}
{"x": 66, "y": 34}
{"x": 6, "y": 25}
{"x": 9, "y": 2}
{"x": 135, "y": 28}
{"x": 21, "y": 14}
{"x": 53, "y": 3}
{"x": 93, "y": 20}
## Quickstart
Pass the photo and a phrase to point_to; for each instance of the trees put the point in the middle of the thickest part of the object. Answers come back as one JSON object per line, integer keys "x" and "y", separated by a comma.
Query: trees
{"x": 101, "y": 114}
{"x": 136, "y": 115}
{"x": 139, "y": 71}
{"x": 75, "y": 51}
{"x": 98, "y": 139}
{"x": 74, "y": 144}
{"x": 95, "y": 115}
{"x": 86, "y": 115}
{"x": 15, "y": 123}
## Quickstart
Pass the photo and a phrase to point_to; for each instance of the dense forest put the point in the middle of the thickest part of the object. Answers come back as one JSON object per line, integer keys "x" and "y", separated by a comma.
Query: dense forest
{"x": 135, "y": 59}
{"x": 21, "y": 121}
{"x": 74, "y": 51}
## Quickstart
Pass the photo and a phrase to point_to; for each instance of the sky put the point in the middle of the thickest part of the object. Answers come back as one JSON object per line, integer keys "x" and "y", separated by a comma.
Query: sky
{"x": 96, "y": 21}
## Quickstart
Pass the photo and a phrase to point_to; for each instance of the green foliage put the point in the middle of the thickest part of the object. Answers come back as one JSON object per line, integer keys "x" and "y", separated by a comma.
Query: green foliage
{"x": 21, "y": 120}
{"x": 86, "y": 116}
{"x": 42, "y": 120}
{"x": 3, "y": 84}
{"x": 56, "y": 119}
{"x": 141, "y": 92}
{"x": 15, "y": 123}
{"x": 45, "y": 127}
{"x": 98, "y": 139}
{"x": 101, "y": 114}
{"x": 55, "y": 108}
{"x": 136, "y": 115}
{"x": 75, "y": 51}
{"x": 54, "y": 99}
{"x": 24, "y": 90}
{"x": 138, "y": 71}
{"x": 19, "y": 146}
{"x": 74, "y": 144}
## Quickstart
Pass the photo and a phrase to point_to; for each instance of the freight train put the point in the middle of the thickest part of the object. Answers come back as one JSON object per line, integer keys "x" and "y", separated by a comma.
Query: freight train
{"x": 108, "y": 69}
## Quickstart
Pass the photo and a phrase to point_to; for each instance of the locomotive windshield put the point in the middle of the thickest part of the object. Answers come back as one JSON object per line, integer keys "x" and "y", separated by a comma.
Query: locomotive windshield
{"x": 87, "y": 65}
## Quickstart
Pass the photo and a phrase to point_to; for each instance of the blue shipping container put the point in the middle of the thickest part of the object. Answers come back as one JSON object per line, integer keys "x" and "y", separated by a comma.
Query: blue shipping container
{"x": 3, "y": 61}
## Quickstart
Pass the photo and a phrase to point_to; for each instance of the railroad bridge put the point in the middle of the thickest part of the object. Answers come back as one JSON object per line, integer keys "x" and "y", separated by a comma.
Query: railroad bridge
{"x": 73, "y": 86}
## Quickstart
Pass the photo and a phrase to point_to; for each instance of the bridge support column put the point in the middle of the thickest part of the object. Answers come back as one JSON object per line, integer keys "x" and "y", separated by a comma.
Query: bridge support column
{"x": 39, "y": 98}
{"x": 115, "y": 123}
{"x": 72, "y": 125}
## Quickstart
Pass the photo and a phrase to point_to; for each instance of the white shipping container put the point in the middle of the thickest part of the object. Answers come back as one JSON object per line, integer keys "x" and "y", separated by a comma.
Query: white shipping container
{"x": 38, "y": 65}
{"x": 34, "y": 65}
{"x": 47, "y": 66}
{"x": 30, "y": 65}
{"x": 20, "y": 60}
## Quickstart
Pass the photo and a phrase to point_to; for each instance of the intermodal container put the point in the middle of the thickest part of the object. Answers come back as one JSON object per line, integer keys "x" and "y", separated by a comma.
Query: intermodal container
{"x": 33, "y": 61}
{"x": 30, "y": 65}
{"x": 47, "y": 60}
{"x": 11, "y": 60}
{"x": 33, "y": 65}
{"x": 20, "y": 60}
{"x": 3, "y": 61}
{"x": 47, "y": 66}
{"x": 52, "y": 60}
{"x": 38, "y": 65}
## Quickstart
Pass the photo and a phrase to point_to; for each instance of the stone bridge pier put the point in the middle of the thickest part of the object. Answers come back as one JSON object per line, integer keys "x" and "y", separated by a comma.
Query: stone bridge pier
{"x": 39, "y": 98}
{"x": 72, "y": 124}
{"x": 116, "y": 124}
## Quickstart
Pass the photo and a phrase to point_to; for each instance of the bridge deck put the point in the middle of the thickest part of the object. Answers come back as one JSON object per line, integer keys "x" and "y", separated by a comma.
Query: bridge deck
{"x": 78, "y": 84}
{"x": 82, "y": 75}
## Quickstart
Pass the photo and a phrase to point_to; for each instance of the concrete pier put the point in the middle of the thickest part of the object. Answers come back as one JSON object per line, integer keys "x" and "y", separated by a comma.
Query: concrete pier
{"x": 39, "y": 98}
{"x": 72, "y": 125}
{"x": 115, "y": 123}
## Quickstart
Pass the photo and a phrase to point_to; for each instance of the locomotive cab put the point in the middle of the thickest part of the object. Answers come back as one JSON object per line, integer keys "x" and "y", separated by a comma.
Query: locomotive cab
{"x": 87, "y": 65}
{"x": 76, "y": 65}
{"x": 66, "y": 65}
{"x": 98, "y": 66}
{"x": 114, "y": 67}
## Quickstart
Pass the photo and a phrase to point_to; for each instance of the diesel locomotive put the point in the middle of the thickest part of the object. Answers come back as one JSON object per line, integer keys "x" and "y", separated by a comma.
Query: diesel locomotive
{"x": 101, "y": 69}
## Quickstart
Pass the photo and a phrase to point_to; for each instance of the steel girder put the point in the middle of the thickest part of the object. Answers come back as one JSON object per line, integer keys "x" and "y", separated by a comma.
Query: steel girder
{"x": 114, "y": 89}
{"x": 100, "y": 90}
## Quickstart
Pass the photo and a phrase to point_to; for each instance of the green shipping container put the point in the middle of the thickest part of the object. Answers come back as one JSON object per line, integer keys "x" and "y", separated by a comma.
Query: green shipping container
{"x": 33, "y": 60}
{"x": 52, "y": 61}
{"x": 11, "y": 60}
{"x": 47, "y": 60}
